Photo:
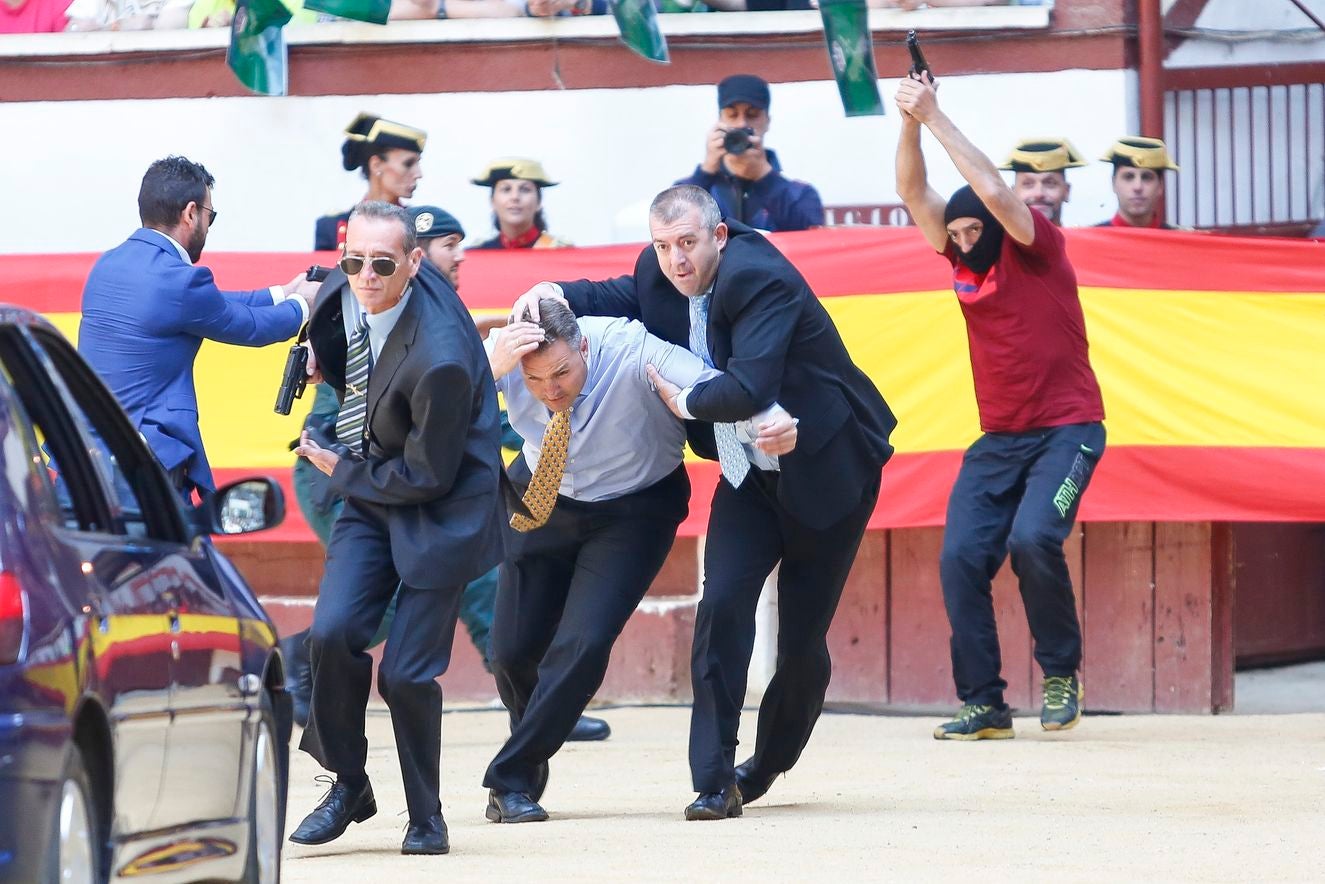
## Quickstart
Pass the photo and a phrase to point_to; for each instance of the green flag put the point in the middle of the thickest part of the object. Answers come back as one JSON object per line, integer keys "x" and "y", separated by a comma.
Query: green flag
{"x": 257, "y": 46}
{"x": 638, "y": 22}
{"x": 847, "y": 33}
{"x": 372, "y": 11}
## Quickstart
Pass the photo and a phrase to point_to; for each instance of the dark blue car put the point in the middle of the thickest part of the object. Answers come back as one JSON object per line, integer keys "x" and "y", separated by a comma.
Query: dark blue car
{"x": 144, "y": 728}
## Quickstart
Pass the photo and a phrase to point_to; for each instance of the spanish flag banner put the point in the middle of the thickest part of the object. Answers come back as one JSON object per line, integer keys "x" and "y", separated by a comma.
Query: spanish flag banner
{"x": 1210, "y": 352}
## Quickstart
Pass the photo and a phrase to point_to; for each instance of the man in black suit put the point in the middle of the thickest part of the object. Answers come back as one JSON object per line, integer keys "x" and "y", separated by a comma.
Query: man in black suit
{"x": 723, "y": 291}
{"x": 417, "y": 460}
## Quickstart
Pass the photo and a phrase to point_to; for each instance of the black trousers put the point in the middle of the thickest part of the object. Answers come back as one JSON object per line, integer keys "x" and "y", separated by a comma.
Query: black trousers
{"x": 565, "y": 593}
{"x": 1016, "y": 493}
{"x": 357, "y": 586}
{"x": 749, "y": 531}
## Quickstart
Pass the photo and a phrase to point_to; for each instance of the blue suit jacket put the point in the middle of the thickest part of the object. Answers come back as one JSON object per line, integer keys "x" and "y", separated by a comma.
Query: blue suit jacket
{"x": 145, "y": 313}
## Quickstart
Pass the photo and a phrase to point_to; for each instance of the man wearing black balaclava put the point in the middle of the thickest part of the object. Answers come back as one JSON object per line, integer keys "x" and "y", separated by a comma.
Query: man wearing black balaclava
{"x": 1020, "y": 484}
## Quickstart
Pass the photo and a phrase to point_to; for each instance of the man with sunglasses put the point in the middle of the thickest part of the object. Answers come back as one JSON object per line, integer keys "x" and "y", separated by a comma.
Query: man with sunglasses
{"x": 416, "y": 458}
{"x": 147, "y": 307}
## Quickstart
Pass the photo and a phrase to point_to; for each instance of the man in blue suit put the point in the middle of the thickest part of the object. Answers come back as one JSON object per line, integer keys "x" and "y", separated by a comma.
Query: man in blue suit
{"x": 147, "y": 308}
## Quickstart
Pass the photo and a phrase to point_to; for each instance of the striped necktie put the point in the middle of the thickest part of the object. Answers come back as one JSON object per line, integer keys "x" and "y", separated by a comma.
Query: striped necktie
{"x": 731, "y": 456}
{"x": 351, "y": 425}
{"x": 541, "y": 495}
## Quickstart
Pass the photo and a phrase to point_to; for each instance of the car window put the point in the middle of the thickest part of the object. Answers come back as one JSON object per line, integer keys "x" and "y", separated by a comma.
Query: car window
{"x": 142, "y": 502}
{"x": 27, "y": 479}
{"x": 60, "y": 448}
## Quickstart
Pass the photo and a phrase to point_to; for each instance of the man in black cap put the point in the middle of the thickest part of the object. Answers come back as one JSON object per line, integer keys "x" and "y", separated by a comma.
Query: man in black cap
{"x": 1138, "y": 181}
{"x": 1020, "y": 484}
{"x": 741, "y": 174}
{"x": 442, "y": 239}
{"x": 1039, "y": 174}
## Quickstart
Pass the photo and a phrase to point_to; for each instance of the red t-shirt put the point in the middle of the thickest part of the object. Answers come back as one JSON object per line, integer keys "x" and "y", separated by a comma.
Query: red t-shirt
{"x": 1029, "y": 353}
{"x": 34, "y": 17}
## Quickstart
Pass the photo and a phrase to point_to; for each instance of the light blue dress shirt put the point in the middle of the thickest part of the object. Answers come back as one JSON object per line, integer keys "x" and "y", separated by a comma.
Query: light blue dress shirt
{"x": 379, "y": 324}
{"x": 623, "y": 437}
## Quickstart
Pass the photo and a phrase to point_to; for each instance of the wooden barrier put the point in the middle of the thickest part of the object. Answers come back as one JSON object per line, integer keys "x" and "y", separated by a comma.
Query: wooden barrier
{"x": 1156, "y": 604}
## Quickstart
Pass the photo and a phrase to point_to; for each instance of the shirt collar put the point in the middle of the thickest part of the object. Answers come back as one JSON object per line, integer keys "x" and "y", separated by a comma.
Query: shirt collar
{"x": 183, "y": 253}
{"x": 381, "y": 324}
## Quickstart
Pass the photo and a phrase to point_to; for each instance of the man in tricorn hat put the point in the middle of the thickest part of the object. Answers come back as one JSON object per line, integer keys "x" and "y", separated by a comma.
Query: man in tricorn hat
{"x": 1040, "y": 180}
{"x": 1138, "y": 181}
{"x": 742, "y": 174}
{"x": 387, "y": 154}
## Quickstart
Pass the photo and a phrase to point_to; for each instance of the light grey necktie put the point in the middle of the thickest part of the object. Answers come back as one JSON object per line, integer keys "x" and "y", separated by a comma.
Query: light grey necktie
{"x": 731, "y": 456}
{"x": 352, "y": 423}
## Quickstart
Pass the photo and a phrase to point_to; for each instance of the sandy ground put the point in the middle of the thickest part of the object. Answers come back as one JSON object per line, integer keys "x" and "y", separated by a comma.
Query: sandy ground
{"x": 1152, "y": 798}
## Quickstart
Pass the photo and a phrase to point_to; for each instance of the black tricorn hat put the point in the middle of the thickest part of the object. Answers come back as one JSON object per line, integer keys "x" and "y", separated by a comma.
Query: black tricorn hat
{"x": 369, "y": 133}
{"x": 518, "y": 168}
{"x": 1141, "y": 152}
{"x": 1043, "y": 155}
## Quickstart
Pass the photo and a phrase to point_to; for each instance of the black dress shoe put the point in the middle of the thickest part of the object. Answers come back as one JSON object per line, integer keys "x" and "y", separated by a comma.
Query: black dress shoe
{"x": 751, "y": 783}
{"x": 298, "y": 674}
{"x": 427, "y": 838}
{"x": 588, "y": 730}
{"x": 716, "y": 805}
{"x": 513, "y": 807}
{"x": 342, "y": 805}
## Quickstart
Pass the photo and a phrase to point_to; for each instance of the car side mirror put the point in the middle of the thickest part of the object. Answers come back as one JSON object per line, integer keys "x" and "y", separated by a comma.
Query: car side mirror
{"x": 243, "y": 507}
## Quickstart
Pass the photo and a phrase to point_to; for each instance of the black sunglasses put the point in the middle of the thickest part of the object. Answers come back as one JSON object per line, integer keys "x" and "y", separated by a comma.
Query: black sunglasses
{"x": 212, "y": 212}
{"x": 352, "y": 265}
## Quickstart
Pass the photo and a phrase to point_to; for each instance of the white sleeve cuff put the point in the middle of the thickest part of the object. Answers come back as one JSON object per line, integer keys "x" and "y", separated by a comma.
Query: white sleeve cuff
{"x": 681, "y": 403}
{"x": 278, "y": 294}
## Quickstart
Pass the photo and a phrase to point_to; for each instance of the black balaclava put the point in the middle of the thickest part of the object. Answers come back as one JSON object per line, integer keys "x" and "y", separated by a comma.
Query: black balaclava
{"x": 965, "y": 204}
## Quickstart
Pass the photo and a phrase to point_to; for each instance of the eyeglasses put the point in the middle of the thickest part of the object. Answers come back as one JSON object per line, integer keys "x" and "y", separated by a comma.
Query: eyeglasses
{"x": 352, "y": 265}
{"x": 212, "y": 212}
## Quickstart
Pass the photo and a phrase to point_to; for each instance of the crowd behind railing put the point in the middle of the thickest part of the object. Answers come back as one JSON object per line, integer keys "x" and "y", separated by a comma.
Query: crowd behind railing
{"x": 53, "y": 16}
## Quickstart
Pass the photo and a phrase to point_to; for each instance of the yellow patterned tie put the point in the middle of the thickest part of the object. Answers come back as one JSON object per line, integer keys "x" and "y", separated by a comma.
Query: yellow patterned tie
{"x": 541, "y": 496}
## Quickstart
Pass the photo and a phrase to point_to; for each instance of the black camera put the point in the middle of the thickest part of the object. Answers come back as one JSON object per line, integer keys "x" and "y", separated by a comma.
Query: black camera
{"x": 737, "y": 140}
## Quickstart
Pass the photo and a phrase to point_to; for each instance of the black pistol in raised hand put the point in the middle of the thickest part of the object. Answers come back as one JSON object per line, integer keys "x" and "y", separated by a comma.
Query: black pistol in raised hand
{"x": 918, "y": 63}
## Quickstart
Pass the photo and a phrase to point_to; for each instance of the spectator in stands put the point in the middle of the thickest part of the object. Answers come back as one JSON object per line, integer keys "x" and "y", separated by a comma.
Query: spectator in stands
{"x": 123, "y": 15}
{"x": 1138, "y": 181}
{"x": 424, "y": 9}
{"x": 741, "y": 174}
{"x": 1040, "y": 178}
{"x": 33, "y": 16}
{"x": 388, "y": 155}
{"x": 517, "y": 205}
{"x": 219, "y": 14}
{"x": 909, "y": 5}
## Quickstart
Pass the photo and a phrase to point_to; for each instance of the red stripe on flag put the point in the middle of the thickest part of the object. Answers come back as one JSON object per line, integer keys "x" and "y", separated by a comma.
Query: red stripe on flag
{"x": 1133, "y": 484}
{"x": 836, "y": 262}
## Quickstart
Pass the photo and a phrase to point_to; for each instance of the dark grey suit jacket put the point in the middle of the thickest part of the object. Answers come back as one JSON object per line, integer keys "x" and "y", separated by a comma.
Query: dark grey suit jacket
{"x": 434, "y": 435}
{"x": 774, "y": 342}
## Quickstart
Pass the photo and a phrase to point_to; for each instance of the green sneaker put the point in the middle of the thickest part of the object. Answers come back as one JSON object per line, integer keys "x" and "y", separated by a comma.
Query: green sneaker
{"x": 1062, "y": 702}
{"x": 977, "y": 723}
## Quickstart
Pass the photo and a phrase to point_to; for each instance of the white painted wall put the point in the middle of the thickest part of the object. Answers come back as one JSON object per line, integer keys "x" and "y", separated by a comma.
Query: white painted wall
{"x": 71, "y": 184}
{"x": 1251, "y": 16}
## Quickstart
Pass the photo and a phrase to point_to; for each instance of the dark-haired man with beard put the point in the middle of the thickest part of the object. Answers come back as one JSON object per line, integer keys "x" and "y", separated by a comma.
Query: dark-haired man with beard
{"x": 1041, "y": 412}
{"x": 147, "y": 307}
{"x": 1039, "y": 174}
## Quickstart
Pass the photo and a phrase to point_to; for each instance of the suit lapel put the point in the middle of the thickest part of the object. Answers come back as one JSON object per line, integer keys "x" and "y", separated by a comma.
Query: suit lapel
{"x": 395, "y": 350}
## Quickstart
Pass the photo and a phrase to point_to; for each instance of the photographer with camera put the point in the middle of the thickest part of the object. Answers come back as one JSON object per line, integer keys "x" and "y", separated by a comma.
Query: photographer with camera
{"x": 744, "y": 176}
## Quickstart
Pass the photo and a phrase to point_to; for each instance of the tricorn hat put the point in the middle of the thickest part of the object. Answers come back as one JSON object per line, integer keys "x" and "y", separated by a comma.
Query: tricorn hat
{"x": 368, "y": 133}
{"x": 1043, "y": 155}
{"x": 1141, "y": 152}
{"x": 431, "y": 221}
{"x": 519, "y": 168}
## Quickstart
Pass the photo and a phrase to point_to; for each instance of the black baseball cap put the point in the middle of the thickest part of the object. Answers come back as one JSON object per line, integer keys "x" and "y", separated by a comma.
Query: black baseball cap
{"x": 743, "y": 87}
{"x": 430, "y": 222}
